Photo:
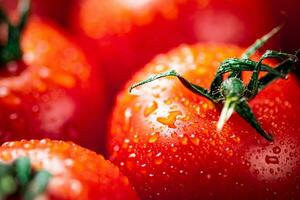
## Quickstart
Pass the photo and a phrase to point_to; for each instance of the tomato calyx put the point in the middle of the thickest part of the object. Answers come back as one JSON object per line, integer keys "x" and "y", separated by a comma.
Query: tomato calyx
{"x": 232, "y": 92}
{"x": 11, "y": 50}
{"x": 18, "y": 178}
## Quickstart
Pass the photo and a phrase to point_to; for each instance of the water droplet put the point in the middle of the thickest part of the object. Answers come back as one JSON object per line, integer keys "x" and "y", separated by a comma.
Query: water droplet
{"x": 185, "y": 101}
{"x": 135, "y": 138}
{"x": 271, "y": 159}
{"x": 150, "y": 109}
{"x": 173, "y": 134}
{"x": 195, "y": 141}
{"x": 276, "y": 150}
{"x": 35, "y": 108}
{"x": 184, "y": 140}
{"x": 174, "y": 149}
{"x": 158, "y": 161}
{"x": 168, "y": 102}
{"x": 153, "y": 137}
{"x": 170, "y": 119}
{"x": 132, "y": 155}
{"x": 127, "y": 115}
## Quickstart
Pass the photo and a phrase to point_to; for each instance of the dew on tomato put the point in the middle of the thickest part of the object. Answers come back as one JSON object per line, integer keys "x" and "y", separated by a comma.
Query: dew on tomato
{"x": 177, "y": 151}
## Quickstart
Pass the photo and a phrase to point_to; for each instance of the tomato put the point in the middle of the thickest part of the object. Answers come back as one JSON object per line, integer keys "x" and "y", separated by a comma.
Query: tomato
{"x": 46, "y": 92}
{"x": 129, "y": 33}
{"x": 70, "y": 171}
{"x": 164, "y": 137}
{"x": 54, "y": 10}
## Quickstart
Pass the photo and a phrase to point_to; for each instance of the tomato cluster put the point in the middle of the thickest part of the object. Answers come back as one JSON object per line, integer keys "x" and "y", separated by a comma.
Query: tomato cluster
{"x": 164, "y": 89}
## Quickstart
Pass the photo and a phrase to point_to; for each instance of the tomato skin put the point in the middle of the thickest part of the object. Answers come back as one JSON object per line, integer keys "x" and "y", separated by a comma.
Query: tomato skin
{"x": 51, "y": 97}
{"x": 164, "y": 138}
{"x": 128, "y": 34}
{"x": 77, "y": 173}
{"x": 54, "y": 10}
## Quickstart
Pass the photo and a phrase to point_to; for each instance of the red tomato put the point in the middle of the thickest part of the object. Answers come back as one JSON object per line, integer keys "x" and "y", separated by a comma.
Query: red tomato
{"x": 164, "y": 137}
{"x": 55, "y": 10}
{"x": 49, "y": 92}
{"x": 128, "y": 33}
{"x": 75, "y": 172}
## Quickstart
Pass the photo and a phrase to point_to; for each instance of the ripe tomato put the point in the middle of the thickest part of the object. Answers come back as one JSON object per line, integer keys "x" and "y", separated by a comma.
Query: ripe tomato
{"x": 47, "y": 92}
{"x": 55, "y": 10}
{"x": 72, "y": 172}
{"x": 128, "y": 33}
{"x": 164, "y": 137}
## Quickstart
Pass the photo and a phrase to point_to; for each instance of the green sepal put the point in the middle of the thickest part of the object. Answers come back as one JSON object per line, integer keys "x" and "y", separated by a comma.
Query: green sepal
{"x": 38, "y": 185}
{"x": 243, "y": 109}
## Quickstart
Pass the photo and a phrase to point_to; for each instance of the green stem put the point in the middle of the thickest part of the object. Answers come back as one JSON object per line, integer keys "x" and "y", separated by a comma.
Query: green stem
{"x": 233, "y": 90}
{"x": 12, "y": 49}
{"x": 18, "y": 178}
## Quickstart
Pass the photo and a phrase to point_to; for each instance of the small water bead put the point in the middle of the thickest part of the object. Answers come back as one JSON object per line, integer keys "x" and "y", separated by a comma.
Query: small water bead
{"x": 158, "y": 161}
{"x": 276, "y": 150}
{"x": 153, "y": 137}
{"x": 271, "y": 159}
{"x": 170, "y": 119}
{"x": 135, "y": 138}
{"x": 184, "y": 140}
{"x": 195, "y": 141}
{"x": 150, "y": 109}
{"x": 132, "y": 155}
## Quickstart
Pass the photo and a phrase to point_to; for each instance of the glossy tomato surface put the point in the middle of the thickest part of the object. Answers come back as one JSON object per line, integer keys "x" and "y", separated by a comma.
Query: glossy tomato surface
{"x": 55, "y": 10}
{"x": 164, "y": 137}
{"x": 129, "y": 33}
{"x": 49, "y": 93}
{"x": 76, "y": 172}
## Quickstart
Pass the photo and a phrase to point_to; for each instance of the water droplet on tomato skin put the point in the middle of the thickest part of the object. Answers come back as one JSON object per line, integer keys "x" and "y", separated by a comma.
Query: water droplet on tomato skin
{"x": 127, "y": 117}
{"x": 132, "y": 155}
{"x": 184, "y": 140}
{"x": 276, "y": 150}
{"x": 158, "y": 161}
{"x": 135, "y": 138}
{"x": 153, "y": 137}
{"x": 170, "y": 119}
{"x": 150, "y": 109}
{"x": 271, "y": 159}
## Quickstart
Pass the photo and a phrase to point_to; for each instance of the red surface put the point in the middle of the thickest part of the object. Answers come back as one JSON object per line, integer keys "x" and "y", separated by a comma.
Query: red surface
{"x": 164, "y": 137}
{"x": 57, "y": 95}
{"x": 129, "y": 33}
{"x": 77, "y": 173}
